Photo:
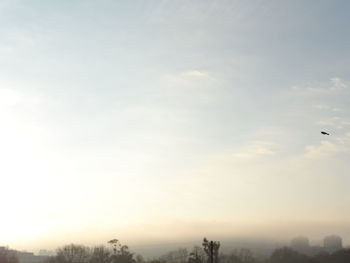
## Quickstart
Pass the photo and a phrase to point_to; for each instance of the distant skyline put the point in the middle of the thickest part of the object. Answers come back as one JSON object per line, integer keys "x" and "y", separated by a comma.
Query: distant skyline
{"x": 166, "y": 120}
{"x": 260, "y": 247}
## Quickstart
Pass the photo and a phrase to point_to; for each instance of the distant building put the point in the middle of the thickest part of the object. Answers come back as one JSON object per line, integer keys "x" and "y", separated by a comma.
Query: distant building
{"x": 24, "y": 257}
{"x": 332, "y": 243}
{"x": 301, "y": 244}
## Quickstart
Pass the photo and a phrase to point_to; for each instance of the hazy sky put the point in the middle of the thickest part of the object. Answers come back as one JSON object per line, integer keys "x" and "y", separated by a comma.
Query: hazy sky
{"x": 157, "y": 120}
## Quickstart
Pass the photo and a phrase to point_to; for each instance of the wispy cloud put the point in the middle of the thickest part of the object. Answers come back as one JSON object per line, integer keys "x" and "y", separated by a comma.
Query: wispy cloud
{"x": 334, "y": 122}
{"x": 257, "y": 149}
{"x": 322, "y": 105}
{"x": 191, "y": 87}
{"x": 335, "y": 86}
{"x": 189, "y": 79}
{"x": 325, "y": 149}
{"x": 196, "y": 73}
{"x": 326, "y": 108}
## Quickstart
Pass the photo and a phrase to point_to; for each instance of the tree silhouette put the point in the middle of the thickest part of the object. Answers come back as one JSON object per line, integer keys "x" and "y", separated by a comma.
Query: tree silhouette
{"x": 322, "y": 257}
{"x": 100, "y": 254}
{"x": 73, "y": 254}
{"x": 121, "y": 253}
{"x": 340, "y": 256}
{"x": 211, "y": 248}
{"x": 115, "y": 244}
{"x": 197, "y": 255}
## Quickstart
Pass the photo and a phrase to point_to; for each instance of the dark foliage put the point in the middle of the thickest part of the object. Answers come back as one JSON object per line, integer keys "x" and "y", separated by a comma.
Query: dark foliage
{"x": 287, "y": 255}
{"x": 7, "y": 256}
{"x": 211, "y": 249}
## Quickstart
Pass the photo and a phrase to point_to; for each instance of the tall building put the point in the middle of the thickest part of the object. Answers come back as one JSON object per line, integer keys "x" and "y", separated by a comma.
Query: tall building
{"x": 332, "y": 243}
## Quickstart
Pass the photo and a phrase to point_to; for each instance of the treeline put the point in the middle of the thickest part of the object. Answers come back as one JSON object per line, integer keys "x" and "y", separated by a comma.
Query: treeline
{"x": 287, "y": 255}
{"x": 209, "y": 252}
{"x": 116, "y": 253}
{"x": 281, "y": 255}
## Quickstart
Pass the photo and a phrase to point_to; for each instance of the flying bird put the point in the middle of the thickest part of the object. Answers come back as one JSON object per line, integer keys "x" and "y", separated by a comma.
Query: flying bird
{"x": 324, "y": 133}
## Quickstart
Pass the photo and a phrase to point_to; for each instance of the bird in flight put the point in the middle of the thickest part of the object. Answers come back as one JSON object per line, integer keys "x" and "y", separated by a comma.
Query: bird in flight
{"x": 324, "y": 133}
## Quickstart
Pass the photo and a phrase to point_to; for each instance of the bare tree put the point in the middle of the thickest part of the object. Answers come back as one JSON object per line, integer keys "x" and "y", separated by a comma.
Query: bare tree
{"x": 211, "y": 248}
{"x": 100, "y": 254}
{"x": 197, "y": 255}
{"x": 73, "y": 254}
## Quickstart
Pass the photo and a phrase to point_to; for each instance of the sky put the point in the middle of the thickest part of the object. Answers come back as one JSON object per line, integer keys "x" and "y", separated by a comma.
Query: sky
{"x": 153, "y": 121}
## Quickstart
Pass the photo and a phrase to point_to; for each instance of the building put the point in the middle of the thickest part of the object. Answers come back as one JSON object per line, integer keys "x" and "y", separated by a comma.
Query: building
{"x": 23, "y": 257}
{"x": 332, "y": 243}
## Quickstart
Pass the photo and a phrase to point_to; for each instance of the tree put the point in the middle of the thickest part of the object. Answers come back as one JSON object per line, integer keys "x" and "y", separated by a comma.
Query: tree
{"x": 125, "y": 256}
{"x": 115, "y": 244}
{"x": 100, "y": 254}
{"x": 140, "y": 259}
{"x": 72, "y": 254}
{"x": 287, "y": 255}
{"x": 340, "y": 256}
{"x": 121, "y": 253}
{"x": 197, "y": 255}
{"x": 211, "y": 248}
{"x": 322, "y": 257}
{"x": 156, "y": 261}
{"x": 245, "y": 255}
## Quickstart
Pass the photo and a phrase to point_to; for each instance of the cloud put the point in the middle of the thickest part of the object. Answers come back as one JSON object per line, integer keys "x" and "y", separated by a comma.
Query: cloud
{"x": 326, "y": 108}
{"x": 325, "y": 149}
{"x": 189, "y": 88}
{"x": 189, "y": 79}
{"x": 334, "y": 122}
{"x": 196, "y": 73}
{"x": 335, "y": 85}
{"x": 329, "y": 148}
{"x": 257, "y": 149}
{"x": 338, "y": 84}
{"x": 321, "y": 106}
